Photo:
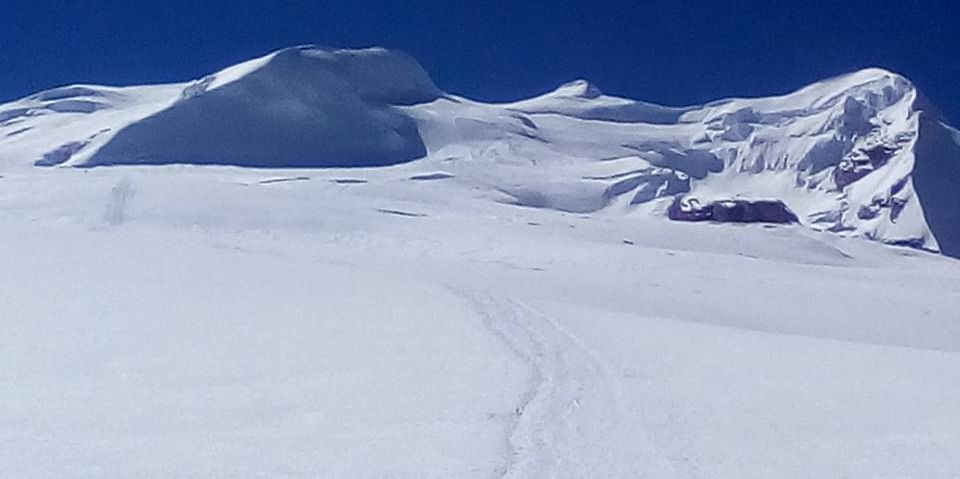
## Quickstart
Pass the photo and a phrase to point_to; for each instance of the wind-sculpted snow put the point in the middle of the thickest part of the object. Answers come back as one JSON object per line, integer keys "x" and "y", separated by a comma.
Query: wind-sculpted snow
{"x": 301, "y": 108}
{"x": 858, "y": 155}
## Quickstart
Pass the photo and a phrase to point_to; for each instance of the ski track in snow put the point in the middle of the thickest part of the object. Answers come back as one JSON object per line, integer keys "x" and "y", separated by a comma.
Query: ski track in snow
{"x": 568, "y": 423}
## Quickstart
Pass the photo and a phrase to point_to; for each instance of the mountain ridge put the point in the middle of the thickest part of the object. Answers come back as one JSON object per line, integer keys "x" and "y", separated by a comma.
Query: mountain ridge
{"x": 842, "y": 153}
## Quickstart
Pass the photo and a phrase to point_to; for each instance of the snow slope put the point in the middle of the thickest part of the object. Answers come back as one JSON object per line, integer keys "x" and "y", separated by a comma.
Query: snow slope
{"x": 223, "y": 322}
{"x": 493, "y": 292}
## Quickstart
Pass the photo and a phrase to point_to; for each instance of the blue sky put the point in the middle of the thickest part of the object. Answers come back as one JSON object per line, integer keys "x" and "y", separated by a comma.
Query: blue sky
{"x": 669, "y": 52}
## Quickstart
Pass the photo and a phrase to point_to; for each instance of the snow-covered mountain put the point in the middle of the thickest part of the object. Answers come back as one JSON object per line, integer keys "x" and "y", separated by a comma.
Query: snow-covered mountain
{"x": 317, "y": 264}
{"x": 862, "y": 154}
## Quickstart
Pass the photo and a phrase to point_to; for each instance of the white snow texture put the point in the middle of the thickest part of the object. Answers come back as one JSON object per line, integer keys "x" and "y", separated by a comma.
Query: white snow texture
{"x": 318, "y": 264}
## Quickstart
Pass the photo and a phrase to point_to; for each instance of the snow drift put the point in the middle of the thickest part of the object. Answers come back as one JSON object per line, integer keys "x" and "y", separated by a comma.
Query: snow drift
{"x": 859, "y": 155}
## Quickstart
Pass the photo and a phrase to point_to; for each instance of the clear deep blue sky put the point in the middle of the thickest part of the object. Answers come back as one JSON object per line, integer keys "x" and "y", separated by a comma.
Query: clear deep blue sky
{"x": 670, "y": 52}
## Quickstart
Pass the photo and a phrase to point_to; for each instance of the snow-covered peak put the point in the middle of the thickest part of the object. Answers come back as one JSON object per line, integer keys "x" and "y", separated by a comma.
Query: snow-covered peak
{"x": 876, "y": 87}
{"x": 851, "y": 154}
{"x": 870, "y": 75}
{"x": 302, "y": 106}
{"x": 578, "y": 89}
{"x": 583, "y": 99}
{"x": 376, "y": 74}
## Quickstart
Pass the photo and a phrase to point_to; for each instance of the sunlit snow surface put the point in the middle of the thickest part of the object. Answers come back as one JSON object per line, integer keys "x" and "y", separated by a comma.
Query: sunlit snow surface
{"x": 502, "y": 307}
{"x": 859, "y": 155}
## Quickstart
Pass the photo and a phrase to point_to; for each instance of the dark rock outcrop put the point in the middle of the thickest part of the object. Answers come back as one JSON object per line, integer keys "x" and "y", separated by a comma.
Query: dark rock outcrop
{"x": 733, "y": 211}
